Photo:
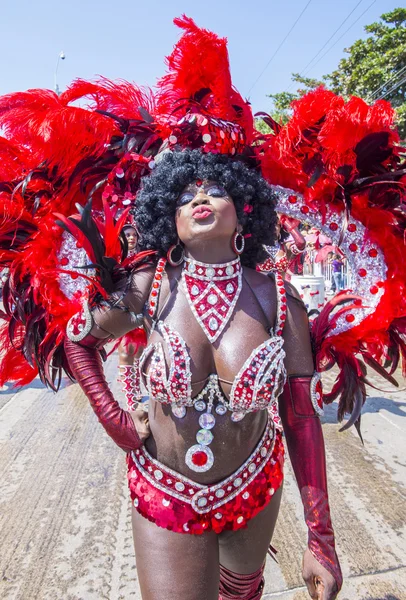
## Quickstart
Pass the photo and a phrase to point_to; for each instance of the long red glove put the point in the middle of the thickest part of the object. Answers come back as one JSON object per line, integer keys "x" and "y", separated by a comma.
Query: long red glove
{"x": 86, "y": 365}
{"x": 305, "y": 443}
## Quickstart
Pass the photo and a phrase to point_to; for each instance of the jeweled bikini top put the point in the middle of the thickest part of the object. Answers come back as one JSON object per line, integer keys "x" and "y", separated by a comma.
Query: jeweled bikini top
{"x": 260, "y": 379}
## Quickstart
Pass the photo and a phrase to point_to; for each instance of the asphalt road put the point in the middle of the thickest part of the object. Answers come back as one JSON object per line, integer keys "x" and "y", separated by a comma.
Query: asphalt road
{"x": 65, "y": 528}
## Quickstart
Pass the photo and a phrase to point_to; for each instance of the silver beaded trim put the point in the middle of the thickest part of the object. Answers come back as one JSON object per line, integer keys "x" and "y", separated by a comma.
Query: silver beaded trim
{"x": 85, "y": 328}
{"x": 313, "y": 393}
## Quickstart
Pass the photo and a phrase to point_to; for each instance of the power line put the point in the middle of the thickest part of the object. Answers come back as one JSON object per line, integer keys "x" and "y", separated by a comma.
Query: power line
{"x": 345, "y": 32}
{"x": 395, "y": 76}
{"x": 279, "y": 47}
{"x": 395, "y": 87}
{"x": 329, "y": 40}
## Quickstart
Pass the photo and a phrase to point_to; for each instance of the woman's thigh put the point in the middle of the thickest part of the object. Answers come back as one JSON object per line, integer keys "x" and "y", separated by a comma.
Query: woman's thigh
{"x": 175, "y": 566}
{"x": 244, "y": 551}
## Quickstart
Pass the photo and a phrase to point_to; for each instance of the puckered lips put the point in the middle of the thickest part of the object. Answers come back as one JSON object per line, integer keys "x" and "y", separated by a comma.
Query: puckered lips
{"x": 203, "y": 211}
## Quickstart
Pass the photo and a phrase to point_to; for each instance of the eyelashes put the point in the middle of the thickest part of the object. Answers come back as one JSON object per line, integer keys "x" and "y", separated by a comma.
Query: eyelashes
{"x": 215, "y": 191}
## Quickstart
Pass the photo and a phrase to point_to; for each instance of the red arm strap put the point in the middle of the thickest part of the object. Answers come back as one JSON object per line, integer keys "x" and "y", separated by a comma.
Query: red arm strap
{"x": 305, "y": 443}
{"x": 86, "y": 365}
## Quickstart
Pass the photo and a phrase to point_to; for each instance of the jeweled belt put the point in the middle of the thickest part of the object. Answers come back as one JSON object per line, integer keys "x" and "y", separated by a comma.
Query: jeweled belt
{"x": 206, "y": 498}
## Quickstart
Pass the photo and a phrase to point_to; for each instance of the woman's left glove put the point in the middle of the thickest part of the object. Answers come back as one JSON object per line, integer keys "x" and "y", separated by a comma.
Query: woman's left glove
{"x": 86, "y": 365}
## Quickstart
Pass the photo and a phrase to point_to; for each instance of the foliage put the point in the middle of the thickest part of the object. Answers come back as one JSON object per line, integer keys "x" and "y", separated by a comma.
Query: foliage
{"x": 375, "y": 68}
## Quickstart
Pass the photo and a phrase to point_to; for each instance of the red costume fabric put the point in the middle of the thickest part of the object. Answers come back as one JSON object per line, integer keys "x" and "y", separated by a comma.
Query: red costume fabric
{"x": 234, "y": 586}
{"x": 170, "y": 505}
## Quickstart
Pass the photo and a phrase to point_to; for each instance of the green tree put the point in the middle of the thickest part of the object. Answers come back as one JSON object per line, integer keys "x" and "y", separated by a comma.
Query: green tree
{"x": 374, "y": 68}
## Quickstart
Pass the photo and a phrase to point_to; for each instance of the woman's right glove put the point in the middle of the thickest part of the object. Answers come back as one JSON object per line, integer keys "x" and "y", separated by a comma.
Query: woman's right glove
{"x": 86, "y": 365}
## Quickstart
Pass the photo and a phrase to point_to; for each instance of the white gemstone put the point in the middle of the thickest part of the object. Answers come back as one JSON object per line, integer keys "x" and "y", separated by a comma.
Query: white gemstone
{"x": 213, "y": 324}
{"x": 158, "y": 474}
{"x": 221, "y": 409}
{"x": 195, "y": 290}
{"x": 246, "y": 495}
{"x": 229, "y": 288}
{"x": 80, "y": 327}
{"x": 229, "y": 488}
{"x": 230, "y": 270}
{"x": 207, "y": 421}
{"x": 173, "y": 139}
{"x": 202, "y": 502}
{"x": 185, "y": 527}
{"x": 212, "y": 299}
{"x": 240, "y": 519}
{"x": 210, "y": 272}
{"x": 271, "y": 492}
{"x": 237, "y": 416}
{"x": 251, "y": 468}
{"x": 237, "y": 482}
{"x": 191, "y": 268}
{"x": 135, "y": 502}
{"x": 218, "y": 515}
{"x": 179, "y": 411}
{"x": 169, "y": 481}
{"x": 206, "y": 138}
{"x": 220, "y": 272}
{"x": 220, "y": 493}
{"x": 165, "y": 502}
{"x": 142, "y": 460}
{"x": 179, "y": 486}
{"x": 200, "y": 405}
{"x": 263, "y": 452}
{"x": 204, "y": 437}
{"x": 191, "y": 492}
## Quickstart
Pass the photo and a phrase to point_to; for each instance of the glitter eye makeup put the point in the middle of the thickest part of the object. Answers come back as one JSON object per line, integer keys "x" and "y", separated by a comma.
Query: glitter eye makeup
{"x": 213, "y": 190}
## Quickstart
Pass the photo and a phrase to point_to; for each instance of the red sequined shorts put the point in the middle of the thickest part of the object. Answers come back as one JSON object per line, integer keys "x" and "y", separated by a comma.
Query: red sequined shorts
{"x": 174, "y": 502}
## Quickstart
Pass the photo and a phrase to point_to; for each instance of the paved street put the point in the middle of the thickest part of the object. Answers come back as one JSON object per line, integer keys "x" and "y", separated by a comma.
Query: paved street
{"x": 65, "y": 512}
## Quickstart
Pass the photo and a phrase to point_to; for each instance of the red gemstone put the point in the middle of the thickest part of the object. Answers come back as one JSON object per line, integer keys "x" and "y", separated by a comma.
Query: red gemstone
{"x": 353, "y": 247}
{"x": 352, "y": 227}
{"x": 380, "y": 283}
{"x": 362, "y": 272}
{"x": 304, "y": 209}
{"x": 374, "y": 289}
{"x": 292, "y": 199}
{"x": 155, "y": 285}
{"x": 154, "y": 293}
{"x": 64, "y": 261}
{"x": 373, "y": 252}
{"x": 350, "y": 318}
{"x": 158, "y": 277}
{"x": 199, "y": 458}
{"x": 333, "y": 226}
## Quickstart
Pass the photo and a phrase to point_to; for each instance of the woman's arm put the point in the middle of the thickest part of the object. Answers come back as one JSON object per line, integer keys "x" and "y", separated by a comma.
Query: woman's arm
{"x": 128, "y": 430}
{"x": 304, "y": 437}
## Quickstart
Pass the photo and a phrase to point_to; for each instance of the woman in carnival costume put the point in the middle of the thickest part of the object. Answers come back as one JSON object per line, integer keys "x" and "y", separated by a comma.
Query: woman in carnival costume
{"x": 228, "y": 361}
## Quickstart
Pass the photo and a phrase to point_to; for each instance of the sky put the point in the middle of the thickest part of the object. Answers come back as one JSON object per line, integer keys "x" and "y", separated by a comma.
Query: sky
{"x": 129, "y": 39}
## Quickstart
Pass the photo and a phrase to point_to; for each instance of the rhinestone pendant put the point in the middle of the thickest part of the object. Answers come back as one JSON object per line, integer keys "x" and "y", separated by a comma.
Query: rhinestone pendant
{"x": 221, "y": 409}
{"x": 207, "y": 421}
{"x": 199, "y": 458}
{"x": 200, "y": 405}
{"x": 178, "y": 411}
{"x": 204, "y": 437}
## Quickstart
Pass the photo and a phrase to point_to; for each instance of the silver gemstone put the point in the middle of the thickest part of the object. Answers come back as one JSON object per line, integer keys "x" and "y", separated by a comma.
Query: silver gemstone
{"x": 220, "y": 493}
{"x": 240, "y": 519}
{"x": 179, "y": 486}
{"x": 229, "y": 288}
{"x": 135, "y": 502}
{"x": 218, "y": 515}
{"x": 271, "y": 492}
{"x": 210, "y": 272}
{"x": 246, "y": 495}
{"x": 263, "y": 452}
{"x": 195, "y": 290}
{"x": 237, "y": 416}
{"x": 158, "y": 474}
{"x": 202, "y": 502}
{"x": 230, "y": 270}
{"x": 191, "y": 268}
{"x": 166, "y": 502}
{"x": 213, "y": 324}
{"x": 179, "y": 411}
{"x": 142, "y": 460}
{"x": 251, "y": 468}
{"x": 185, "y": 527}
{"x": 200, "y": 405}
{"x": 212, "y": 299}
{"x": 207, "y": 421}
{"x": 237, "y": 482}
{"x": 221, "y": 409}
{"x": 204, "y": 437}
{"x": 220, "y": 272}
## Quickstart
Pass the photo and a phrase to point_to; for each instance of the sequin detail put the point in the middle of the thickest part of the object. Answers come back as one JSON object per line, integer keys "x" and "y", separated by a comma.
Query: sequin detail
{"x": 198, "y": 511}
